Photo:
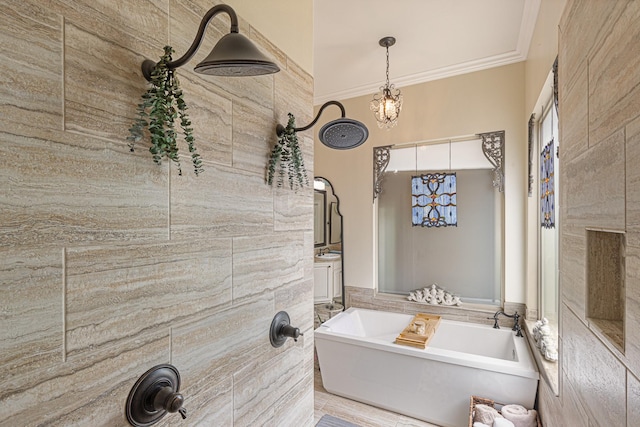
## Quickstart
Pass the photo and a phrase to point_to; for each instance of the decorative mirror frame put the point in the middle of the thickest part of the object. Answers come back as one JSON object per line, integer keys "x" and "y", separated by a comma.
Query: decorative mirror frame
{"x": 492, "y": 148}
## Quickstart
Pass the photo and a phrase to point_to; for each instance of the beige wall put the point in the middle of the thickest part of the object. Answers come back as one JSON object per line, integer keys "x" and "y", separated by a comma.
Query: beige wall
{"x": 111, "y": 264}
{"x": 478, "y": 102}
{"x": 599, "y": 83}
{"x": 286, "y": 23}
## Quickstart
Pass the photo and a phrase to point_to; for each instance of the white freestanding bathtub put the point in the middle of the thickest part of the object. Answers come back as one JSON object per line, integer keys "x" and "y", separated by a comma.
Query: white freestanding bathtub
{"x": 359, "y": 360}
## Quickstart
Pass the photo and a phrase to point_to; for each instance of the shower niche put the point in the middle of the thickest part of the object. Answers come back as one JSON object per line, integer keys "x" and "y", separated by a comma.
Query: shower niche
{"x": 605, "y": 284}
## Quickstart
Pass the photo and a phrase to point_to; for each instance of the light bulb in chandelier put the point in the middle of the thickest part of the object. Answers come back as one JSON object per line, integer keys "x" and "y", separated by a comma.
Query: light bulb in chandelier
{"x": 387, "y": 104}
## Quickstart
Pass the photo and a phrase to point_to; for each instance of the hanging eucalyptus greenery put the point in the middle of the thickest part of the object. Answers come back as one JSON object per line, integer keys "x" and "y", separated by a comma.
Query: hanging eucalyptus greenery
{"x": 162, "y": 104}
{"x": 286, "y": 158}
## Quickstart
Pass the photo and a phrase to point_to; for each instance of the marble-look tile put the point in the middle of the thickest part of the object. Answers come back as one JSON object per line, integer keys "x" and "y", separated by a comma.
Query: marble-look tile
{"x": 211, "y": 405}
{"x": 573, "y": 414}
{"x": 295, "y": 81}
{"x": 221, "y": 202}
{"x": 254, "y": 134}
{"x": 102, "y": 84}
{"x": 580, "y": 28}
{"x": 632, "y": 310}
{"x": 549, "y": 407}
{"x": 67, "y": 193}
{"x": 151, "y": 286}
{"x": 573, "y": 270}
{"x": 605, "y": 275}
{"x": 633, "y": 401}
{"x": 223, "y": 343}
{"x": 296, "y": 299}
{"x": 574, "y": 129}
{"x": 295, "y": 408}
{"x": 31, "y": 337}
{"x": 263, "y": 263}
{"x": 87, "y": 391}
{"x": 632, "y": 154}
{"x": 584, "y": 360}
{"x": 614, "y": 72}
{"x": 211, "y": 118}
{"x": 593, "y": 201}
{"x": 256, "y": 396}
{"x": 293, "y": 210}
{"x": 31, "y": 66}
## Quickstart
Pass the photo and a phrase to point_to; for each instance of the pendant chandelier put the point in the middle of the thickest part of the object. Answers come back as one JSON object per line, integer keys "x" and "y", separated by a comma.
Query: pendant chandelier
{"x": 386, "y": 104}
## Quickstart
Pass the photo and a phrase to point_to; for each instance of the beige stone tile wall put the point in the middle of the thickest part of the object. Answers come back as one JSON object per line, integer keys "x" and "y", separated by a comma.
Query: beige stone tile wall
{"x": 112, "y": 264}
{"x": 599, "y": 84}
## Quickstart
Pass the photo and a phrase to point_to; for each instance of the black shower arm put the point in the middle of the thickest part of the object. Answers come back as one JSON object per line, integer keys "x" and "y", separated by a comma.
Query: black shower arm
{"x": 148, "y": 65}
{"x": 280, "y": 129}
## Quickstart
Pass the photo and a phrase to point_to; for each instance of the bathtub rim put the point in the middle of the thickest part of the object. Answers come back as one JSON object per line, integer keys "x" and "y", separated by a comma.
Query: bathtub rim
{"x": 524, "y": 367}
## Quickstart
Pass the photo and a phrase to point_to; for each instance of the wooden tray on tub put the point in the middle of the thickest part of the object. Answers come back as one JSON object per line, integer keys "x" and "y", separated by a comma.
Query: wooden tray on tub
{"x": 419, "y": 332}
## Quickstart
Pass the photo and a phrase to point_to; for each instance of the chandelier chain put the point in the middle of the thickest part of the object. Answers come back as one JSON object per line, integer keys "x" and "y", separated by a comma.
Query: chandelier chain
{"x": 387, "y": 66}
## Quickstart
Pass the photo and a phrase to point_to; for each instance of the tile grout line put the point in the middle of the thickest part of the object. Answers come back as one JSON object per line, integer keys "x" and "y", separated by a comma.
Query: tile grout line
{"x": 62, "y": 107}
{"x": 64, "y": 304}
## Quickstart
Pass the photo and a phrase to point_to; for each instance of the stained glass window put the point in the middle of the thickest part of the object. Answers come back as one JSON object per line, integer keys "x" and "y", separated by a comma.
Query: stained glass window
{"x": 433, "y": 198}
{"x": 547, "y": 205}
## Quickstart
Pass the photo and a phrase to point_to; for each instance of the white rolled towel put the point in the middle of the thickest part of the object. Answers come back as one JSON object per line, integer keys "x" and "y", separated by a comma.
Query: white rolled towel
{"x": 520, "y": 416}
{"x": 479, "y": 424}
{"x": 502, "y": 422}
{"x": 485, "y": 414}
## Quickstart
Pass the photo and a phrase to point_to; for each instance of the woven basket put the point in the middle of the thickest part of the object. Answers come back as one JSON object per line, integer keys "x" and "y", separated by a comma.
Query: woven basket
{"x": 475, "y": 400}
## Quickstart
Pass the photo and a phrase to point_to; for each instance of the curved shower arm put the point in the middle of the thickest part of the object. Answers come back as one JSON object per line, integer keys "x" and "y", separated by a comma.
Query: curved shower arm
{"x": 280, "y": 129}
{"x": 148, "y": 65}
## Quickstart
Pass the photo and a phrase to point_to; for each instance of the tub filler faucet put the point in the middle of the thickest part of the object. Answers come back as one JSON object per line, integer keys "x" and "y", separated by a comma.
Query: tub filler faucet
{"x": 516, "y": 321}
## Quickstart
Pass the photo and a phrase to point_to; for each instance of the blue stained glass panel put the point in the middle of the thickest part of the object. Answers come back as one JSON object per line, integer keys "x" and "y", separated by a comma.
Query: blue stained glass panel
{"x": 547, "y": 191}
{"x": 433, "y": 200}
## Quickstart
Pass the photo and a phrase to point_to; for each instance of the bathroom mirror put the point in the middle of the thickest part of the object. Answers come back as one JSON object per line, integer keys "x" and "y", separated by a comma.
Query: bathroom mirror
{"x": 328, "y": 227}
{"x": 319, "y": 218}
{"x": 440, "y": 219}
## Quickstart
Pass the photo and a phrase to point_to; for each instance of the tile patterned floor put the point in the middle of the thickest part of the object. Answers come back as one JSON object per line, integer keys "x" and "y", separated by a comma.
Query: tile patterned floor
{"x": 356, "y": 412}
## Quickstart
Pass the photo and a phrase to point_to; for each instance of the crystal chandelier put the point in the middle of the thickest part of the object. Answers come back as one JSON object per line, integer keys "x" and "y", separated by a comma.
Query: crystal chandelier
{"x": 387, "y": 104}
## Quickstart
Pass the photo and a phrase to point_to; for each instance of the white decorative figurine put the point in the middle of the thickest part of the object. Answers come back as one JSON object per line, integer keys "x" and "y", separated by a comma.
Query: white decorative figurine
{"x": 434, "y": 295}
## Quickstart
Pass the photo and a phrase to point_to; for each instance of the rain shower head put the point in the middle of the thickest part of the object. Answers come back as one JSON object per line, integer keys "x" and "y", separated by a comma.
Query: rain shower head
{"x": 340, "y": 134}
{"x": 233, "y": 55}
{"x": 343, "y": 134}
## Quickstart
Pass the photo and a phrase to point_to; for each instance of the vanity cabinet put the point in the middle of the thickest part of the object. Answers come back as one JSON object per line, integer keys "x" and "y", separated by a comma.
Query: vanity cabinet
{"x": 327, "y": 281}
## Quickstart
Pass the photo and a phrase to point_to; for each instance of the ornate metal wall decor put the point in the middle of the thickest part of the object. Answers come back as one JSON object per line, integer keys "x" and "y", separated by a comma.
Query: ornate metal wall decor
{"x": 433, "y": 200}
{"x": 381, "y": 157}
{"x": 530, "y": 142}
{"x": 547, "y": 196}
{"x": 493, "y": 149}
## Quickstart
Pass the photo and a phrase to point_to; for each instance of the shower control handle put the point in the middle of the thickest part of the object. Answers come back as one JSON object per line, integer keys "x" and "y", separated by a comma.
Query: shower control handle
{"x": 170, "y": 401}
{"x": 281, "y": 329}
{"x": 291, "y": 332}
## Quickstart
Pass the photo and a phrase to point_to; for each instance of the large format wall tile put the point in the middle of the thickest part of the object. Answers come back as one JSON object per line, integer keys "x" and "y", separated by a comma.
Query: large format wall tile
{"x": 91, "y": 391}
{"x": 102, "y": 84}
{"x": 263, "y": 263}
{"x": 633, "y": 182}
{"x": 31, "y": 336}
{"x": 594, "y": 185}
{"x": 254, "y": 133}
{"x": 580, "y": 27}
{"x": 575, "y": 110}
{"x": 220, "y": 202}
{"x": 573, "y": 241}
{"x": 633, "y": 401}
{"x": 632, "y": 309}
{"x": 31, "y": 66}
{"x": 598, "y": 378}
{"x": 67, "y": 193}
{"x": 150, "y": 286}
{"x": 614, "y": 73}
{"x": 210, "y": 116}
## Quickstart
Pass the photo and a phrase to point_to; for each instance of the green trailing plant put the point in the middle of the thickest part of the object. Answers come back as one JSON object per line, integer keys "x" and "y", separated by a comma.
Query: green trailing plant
{"x": 162, "y": 104}
{"x": 286, "y": 159}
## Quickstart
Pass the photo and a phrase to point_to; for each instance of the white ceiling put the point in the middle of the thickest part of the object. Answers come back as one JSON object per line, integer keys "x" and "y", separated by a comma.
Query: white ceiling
{"x": 434, "y": 39}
